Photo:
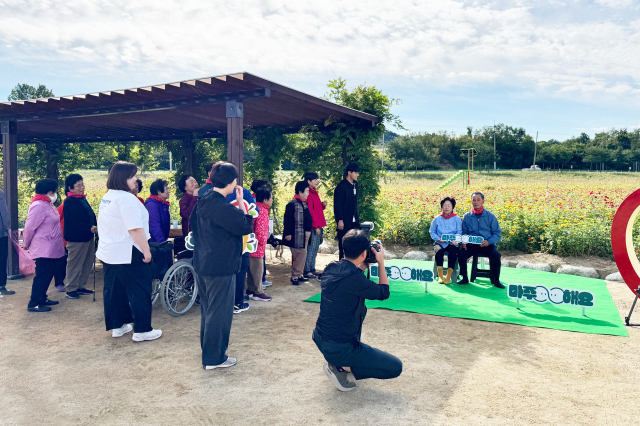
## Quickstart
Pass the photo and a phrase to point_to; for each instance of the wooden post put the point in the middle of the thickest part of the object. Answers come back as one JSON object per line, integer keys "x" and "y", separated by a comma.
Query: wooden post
{"x": 235, "y": 141}
{"x": 189, "y": 150}
{"x": 9, "y": 130}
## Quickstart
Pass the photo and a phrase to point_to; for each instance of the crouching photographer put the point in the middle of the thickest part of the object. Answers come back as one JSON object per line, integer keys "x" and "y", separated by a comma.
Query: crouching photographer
{"x": 342, "y": 312}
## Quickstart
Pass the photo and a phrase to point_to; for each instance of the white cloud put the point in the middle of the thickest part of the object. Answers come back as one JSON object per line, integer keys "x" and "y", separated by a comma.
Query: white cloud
{"x": 441, "y": 43}
{"x": 615, "y": 3}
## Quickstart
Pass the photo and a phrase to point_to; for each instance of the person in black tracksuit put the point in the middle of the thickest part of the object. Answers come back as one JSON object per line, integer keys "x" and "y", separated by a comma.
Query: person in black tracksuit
{"x": 218, "y": 228}
{"x": 345, "y": 204}
{"x": 342, "y": 312}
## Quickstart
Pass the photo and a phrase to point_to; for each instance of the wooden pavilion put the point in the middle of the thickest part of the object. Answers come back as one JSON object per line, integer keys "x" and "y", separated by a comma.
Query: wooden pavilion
{"x": 185, "y": 110}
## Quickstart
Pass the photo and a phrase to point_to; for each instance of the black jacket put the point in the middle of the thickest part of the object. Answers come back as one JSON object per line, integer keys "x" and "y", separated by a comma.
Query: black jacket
{"x": 218, "y": 228}
{"x": 345, "y": 204}
{"x": 78, "y": 220}
{"x": 342, "y": 309}
{"x": 292, "y": 225}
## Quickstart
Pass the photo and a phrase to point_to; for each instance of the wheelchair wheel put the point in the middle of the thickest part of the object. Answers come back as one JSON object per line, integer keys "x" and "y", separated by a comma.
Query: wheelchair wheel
{"x": 156, "y": 289}
{"x": 179, "y": 288}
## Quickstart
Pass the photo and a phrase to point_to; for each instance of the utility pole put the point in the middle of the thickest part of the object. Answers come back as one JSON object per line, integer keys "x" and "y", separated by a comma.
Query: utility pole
{"x": 494, "y": 145}
{"x": 535, "y": 149}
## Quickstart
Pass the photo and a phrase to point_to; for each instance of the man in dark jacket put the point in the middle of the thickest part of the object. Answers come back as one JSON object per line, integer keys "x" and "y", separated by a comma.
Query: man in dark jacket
{"x": 345, "y": 204}
{"x": 218, "y": 228}
{"x": 342, "y": 312}
{"x": 482, "y": 223}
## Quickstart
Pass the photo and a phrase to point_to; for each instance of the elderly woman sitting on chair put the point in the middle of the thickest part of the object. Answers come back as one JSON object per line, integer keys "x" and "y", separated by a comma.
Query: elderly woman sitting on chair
{"x": 447, "y": 223}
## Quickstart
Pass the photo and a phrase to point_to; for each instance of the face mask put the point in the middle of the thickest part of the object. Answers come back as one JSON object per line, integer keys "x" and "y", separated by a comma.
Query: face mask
{"x": 53, "y": 197}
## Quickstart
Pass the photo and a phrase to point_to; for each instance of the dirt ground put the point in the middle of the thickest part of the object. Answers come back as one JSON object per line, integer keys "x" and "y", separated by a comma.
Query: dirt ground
{"x": 62, "y": 368}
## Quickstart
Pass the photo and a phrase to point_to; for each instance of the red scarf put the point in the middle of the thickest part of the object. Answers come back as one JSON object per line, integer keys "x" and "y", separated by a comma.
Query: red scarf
{"x": 447, "y": 217}
{"x": 155, "y": 197}
{"x": 141, "y": 200}
{"x": 209, "y": 181}
{"x": 71, "y": 194}
{"x": 297, "y": 197}
{"x": 474, "y": 211}
{"x": 41, "y": 197}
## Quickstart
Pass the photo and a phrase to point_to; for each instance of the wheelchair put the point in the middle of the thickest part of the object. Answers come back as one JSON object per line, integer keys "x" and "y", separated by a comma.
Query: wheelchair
{"x": 175, "y": 282}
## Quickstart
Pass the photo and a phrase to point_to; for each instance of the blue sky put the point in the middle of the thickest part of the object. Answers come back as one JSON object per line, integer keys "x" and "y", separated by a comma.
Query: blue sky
{"x": 559, "y": 67}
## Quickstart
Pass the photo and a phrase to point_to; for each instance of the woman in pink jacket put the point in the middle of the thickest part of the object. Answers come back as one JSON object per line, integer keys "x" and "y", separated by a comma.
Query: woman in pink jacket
{"x": 43, "y": 238}
{"x": 255, "y": 289}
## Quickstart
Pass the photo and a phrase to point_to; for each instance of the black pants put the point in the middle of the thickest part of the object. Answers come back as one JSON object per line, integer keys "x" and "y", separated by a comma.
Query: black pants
{"x": 452, "y": 253}
{"x": 4, "y": 253}
{"x": 489, "y": 251}
{"x": 216, "y": 314}
{"x": 364, "y": 361}
{"x": 46, "y": 269}
{"x": 341, "y": 234}
{"x": 241, "y": 279}
{"x": 61, "y": 272}
{"x": 127, "y": 294}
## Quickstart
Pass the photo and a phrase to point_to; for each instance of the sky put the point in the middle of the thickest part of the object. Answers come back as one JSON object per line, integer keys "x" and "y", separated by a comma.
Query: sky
{"x": 557, "y": 67}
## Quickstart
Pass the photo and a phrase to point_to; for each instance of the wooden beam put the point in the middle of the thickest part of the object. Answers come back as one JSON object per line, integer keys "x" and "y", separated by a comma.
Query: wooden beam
{"x": 235, "y": 140}
{"x": 9, "y": 131}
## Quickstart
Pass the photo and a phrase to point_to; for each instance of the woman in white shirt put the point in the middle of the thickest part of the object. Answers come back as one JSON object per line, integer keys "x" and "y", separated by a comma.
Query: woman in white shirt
{"x": 123, "y": 248}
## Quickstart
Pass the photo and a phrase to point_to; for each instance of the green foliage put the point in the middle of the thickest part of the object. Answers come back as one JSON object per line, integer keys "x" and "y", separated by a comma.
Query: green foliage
{"x": 205, "y": 151}
{"x": 25, "y": 92}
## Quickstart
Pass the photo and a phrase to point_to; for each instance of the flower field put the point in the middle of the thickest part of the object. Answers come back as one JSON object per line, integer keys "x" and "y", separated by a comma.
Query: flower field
{"x": 574, "y": 220}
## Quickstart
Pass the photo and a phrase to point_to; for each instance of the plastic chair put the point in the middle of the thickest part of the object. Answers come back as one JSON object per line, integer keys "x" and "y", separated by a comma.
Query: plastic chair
{"x": 479, "y": 272}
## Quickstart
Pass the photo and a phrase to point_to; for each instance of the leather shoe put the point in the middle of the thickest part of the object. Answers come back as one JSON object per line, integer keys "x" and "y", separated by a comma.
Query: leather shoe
{"x": 499, "y": 285}
{"x": 5, "y": 292}
{"x": 463, "y": 281}
{"x": 50, "y": 302}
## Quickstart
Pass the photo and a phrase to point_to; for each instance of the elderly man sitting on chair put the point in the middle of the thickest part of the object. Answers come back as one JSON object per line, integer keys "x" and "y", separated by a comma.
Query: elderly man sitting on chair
{"x": 483, "y": 223}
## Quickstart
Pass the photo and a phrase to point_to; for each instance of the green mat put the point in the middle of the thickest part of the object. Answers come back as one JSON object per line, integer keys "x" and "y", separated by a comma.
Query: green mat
{"x": 483, "y": 301}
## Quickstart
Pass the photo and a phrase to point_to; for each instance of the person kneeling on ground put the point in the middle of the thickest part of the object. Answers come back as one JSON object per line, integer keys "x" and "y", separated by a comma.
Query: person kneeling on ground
{"x": 483, "y": 223}
{"x": 342, "y": 312}
{"x": 447, "y": 223}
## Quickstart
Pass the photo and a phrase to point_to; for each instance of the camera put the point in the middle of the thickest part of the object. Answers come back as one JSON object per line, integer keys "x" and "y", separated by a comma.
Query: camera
{"x": 367, "y": 227}
{"x": 371, "y": 254}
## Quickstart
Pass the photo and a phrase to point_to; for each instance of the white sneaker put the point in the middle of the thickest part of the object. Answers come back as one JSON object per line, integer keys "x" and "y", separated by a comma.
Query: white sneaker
{"x": 119, "y": 332}
{"x": 230, "y": 362}
{"x": 266, "y": 283}
{"x": 149, "y": 335}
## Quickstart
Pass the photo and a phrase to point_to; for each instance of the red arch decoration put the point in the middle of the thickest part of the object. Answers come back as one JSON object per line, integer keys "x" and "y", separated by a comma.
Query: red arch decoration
{"x": 622, "y": 240}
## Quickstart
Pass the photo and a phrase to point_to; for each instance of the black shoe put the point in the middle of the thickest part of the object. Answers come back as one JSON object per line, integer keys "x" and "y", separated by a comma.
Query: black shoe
{"x": 303, "y": 279}
{"x": 463, "y": 281}
{"x": 50, "y": 302}
{"x": 39, "y": 308}
{"x": 310, "y": 275}
{"x": 73, "y": 295}
{"x": 82, "y": 291}
{"x": 5, "y": 292}
{"x": 318, "y": 276}
{"x": 295, "y": 281}
{"x": 499, "y": 285}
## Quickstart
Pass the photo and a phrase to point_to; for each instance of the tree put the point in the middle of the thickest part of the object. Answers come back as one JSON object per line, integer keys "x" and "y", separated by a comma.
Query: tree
{"x": 25, "y": 92}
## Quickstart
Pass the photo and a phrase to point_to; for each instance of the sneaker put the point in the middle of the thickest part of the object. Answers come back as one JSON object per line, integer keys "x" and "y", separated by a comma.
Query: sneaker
{"x": 230, "y": 362}
{"x": 5, "y": 292}
{"x": 295, "y": 281}
{"x": 262, "y": 297}
{"x": 39, "y": 308}
{"x": 245, "y": 298}
{"x": 339, "y": 378}
{"x": 463, "y": 281}
{"x": 60, "y": 288}
{"x": 149, "y": 335}
{"x": 73, "y": 295}
{"x": 266, "y": 283}
{"x": 119, "y": 332}
{"x": 50, "y": 302}
{"x": 82, "y": 291}
{"x": 310, "y": 275}
{"x": 303, "y": 279}
{"x": 499, "y": 285}
{"x": 237, "y": 309}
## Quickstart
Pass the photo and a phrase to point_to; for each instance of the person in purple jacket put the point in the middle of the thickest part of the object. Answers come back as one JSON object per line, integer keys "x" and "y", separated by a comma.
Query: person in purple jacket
{"x": 43, "y": 238}
{"x": 158, "y": 207}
